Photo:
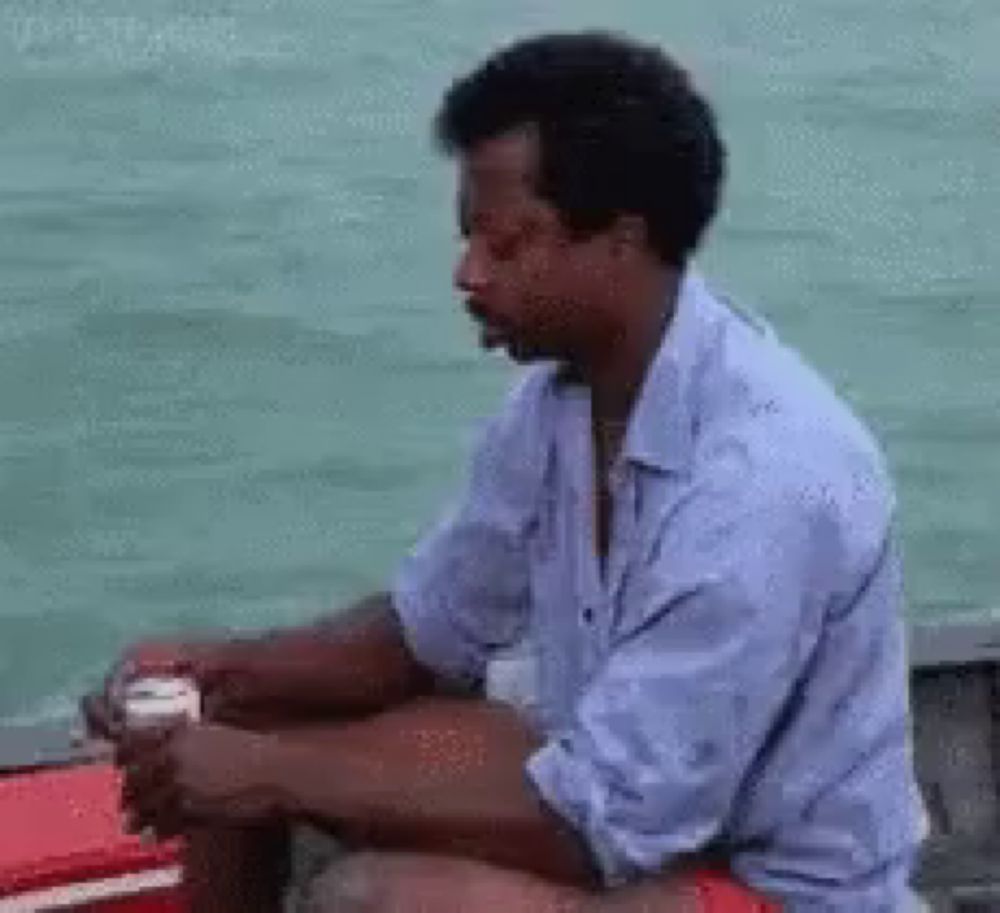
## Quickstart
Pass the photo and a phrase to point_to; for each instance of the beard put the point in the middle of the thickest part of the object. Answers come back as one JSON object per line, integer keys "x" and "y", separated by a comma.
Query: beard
{"x": 517, "y": 347}
{"x": 544, "y": 335}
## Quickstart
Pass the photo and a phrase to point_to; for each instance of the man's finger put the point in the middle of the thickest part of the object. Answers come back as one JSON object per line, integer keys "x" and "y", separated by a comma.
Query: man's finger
{"x": 140, "y": 783}
{"x": 155, "y": 809}
{"x": 160, "y": 657}
{"x": 151, "y": 776}
{"x": 223, "y": 695}
{"x": 148, "y": 757}
{"x": 101, "y": 716}
{"x": 136, "y": 747}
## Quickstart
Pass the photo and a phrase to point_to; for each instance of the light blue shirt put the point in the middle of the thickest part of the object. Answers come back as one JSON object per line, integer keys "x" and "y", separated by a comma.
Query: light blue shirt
{"x": 738, "y": 678}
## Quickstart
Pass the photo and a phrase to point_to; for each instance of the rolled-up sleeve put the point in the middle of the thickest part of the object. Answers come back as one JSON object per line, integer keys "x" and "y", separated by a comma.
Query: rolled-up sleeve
{"x": 464, "y": 590}
{"x": 705, "y": 657}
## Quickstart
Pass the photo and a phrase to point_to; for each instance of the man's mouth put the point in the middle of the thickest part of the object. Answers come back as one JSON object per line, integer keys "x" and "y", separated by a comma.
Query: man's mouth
{"x": 491, "y": 336}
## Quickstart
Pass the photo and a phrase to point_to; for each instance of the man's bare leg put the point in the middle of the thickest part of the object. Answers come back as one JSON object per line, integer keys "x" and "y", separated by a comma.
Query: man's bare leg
{"x": 246, "y": 869}
{"x": 374, "y": 882}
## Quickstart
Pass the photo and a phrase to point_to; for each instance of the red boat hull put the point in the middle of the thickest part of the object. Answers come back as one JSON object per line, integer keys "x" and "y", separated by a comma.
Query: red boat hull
{"x": 63, "y": 847}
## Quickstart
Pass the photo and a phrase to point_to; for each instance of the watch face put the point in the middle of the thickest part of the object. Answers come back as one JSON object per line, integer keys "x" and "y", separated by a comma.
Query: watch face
{"x": 155, "y": 700}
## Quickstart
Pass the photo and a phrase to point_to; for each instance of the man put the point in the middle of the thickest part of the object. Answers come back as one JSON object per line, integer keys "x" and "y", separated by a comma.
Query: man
{"x": 689, "y": 530}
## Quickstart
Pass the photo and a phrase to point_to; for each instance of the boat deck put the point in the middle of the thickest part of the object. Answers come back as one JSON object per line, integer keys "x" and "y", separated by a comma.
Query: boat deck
{"x": 956, "y": 701}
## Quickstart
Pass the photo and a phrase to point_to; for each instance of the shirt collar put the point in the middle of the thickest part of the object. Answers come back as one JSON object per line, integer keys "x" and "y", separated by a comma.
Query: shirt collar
{"x": 660, "y": 432}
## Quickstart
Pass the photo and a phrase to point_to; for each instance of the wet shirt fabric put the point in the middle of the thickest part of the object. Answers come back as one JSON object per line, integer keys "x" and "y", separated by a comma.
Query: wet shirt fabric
{"x": 736, "y": 677}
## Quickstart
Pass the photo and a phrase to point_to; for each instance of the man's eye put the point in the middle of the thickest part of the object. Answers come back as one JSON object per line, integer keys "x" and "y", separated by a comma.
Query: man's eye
{"x": 504, "y": 248}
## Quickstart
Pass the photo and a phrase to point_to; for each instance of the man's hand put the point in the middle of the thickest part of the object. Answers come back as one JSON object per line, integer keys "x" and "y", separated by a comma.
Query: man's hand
{"x": 102, "y": 709}
{"x": 194, "y": 773}
{"x": 238, "y": 681}
{"x": 351, "y": 665}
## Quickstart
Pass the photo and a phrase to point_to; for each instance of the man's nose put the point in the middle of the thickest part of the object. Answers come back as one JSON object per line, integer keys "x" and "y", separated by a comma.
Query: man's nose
{"x": 470, "y": 271}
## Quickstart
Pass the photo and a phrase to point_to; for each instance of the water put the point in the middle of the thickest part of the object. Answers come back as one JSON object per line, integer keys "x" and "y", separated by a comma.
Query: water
{"x": 234, "y": 382}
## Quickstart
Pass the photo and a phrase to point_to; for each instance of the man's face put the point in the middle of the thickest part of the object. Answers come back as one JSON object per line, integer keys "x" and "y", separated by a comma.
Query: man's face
{"x": 533, "y": 289}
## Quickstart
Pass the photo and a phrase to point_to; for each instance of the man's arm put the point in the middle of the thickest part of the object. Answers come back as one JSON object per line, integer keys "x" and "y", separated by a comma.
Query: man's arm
{"x": 440, "y": 775}
{"x": 433, "y": 774}
{"x": 354, "y": 663}
{"x": 351, "y": 664}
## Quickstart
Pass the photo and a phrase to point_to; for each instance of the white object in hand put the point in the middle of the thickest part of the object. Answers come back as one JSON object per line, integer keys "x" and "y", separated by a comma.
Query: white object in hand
{"x": 159, "y": 700}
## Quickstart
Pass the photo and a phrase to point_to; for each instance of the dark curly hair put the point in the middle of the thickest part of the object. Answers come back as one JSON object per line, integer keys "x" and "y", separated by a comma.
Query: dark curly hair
{"x": 621, "y": 130}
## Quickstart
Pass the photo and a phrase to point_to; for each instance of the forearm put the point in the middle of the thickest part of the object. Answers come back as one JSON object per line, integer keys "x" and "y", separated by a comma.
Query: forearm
{"x": 352, "y": 664}
{"x": 438, "y": 776}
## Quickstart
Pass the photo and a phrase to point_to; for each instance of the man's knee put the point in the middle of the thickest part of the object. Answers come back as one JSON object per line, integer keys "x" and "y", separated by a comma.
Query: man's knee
{"x": 371, "y": 882}
{"x": 418, "y": 883}
{"x": 380, "y": 882}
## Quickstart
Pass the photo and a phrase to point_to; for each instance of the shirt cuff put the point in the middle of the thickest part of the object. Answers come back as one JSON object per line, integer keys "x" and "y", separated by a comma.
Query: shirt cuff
{"x": 433, "y": 639}
{"x": 568, "y": 786}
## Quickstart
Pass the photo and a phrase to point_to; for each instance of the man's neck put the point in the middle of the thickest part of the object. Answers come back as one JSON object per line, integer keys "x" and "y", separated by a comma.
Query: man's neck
{"x": 616, "y": 376}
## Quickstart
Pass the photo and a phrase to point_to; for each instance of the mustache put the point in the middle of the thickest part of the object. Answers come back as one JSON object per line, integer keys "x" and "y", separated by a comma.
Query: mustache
{"x": 480, "y": 314}
{"x": 475, "y": 309}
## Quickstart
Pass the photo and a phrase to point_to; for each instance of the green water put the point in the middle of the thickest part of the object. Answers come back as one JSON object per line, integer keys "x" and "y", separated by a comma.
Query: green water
{"x": 234, "y": 381}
